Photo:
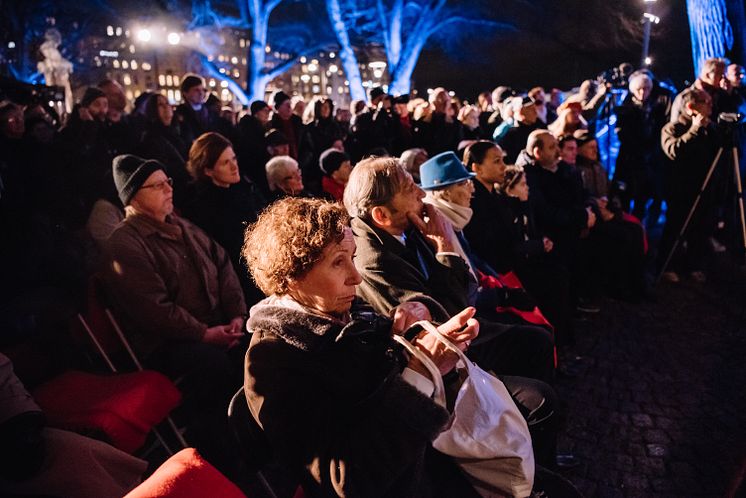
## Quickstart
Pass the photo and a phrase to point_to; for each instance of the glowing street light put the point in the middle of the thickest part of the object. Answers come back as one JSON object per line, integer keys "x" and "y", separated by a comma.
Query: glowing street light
{"x": 144, "y": 35}
{"x": 648, "y": 61}
{"x": 648, "y": 19}
{"x": 173, "y": 38}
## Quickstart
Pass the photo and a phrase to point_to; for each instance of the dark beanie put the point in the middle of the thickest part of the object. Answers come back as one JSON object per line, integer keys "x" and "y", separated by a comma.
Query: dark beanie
{"x": 91, "y": 93}
{"x": 190, "y": 81}
{"x": 376, "y": 92}
{"x": 275, "y": 137}
{"x": 582, "y": 137}
{"x": 130, "y": 172}
{"x": 331, "y": 160}
{"x": 257, "y": 106}
{"x": 278, "y": 98}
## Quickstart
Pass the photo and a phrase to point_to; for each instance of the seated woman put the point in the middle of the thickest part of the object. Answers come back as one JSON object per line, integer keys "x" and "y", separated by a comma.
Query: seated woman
{"x": 336, "y": 397}
{"x": 531, "y": 257}
{"x": 221, "y": 202}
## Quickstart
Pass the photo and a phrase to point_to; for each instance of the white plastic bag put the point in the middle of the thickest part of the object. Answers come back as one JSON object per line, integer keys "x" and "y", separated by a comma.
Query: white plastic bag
{"x": 487, "y": 436}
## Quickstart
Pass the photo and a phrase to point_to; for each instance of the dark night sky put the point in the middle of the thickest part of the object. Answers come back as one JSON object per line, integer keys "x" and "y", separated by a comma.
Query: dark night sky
{"x": 558, "y": 44}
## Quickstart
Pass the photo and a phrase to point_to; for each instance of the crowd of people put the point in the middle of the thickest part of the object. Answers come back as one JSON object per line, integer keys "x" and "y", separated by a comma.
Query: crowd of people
{"x": 321, "y": 232}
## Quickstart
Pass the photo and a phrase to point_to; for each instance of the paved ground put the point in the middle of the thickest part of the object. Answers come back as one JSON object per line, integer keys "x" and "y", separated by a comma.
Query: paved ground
{"x": 659, "y": 408}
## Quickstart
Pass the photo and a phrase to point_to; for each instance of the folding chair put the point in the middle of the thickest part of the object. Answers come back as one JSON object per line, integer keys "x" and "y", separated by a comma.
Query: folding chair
{"x": 107, "y": 336}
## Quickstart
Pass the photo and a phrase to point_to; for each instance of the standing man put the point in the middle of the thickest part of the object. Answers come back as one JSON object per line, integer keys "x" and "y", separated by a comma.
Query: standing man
{"x": 192, "y": 116}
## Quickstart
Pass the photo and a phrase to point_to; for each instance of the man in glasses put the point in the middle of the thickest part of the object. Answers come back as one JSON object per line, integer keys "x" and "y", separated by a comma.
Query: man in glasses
{"x": 178, "y": 296}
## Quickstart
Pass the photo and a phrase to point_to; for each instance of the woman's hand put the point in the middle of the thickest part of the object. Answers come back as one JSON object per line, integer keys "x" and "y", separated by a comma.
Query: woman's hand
{"x": 406, "y": 314}
{"x": 461, "y": 329}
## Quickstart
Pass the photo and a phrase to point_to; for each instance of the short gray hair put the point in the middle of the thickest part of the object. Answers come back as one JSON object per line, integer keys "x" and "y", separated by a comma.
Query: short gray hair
{"x": 373, "y": 182}
{"x": 277, "y": 168}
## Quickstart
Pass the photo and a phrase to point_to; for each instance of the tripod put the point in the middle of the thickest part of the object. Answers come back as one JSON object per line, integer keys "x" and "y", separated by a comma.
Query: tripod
{"x": 739, "y": 190}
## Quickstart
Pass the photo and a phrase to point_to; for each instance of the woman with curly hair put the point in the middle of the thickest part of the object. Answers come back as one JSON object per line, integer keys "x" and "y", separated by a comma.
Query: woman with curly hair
{"x": 338, "y": 400}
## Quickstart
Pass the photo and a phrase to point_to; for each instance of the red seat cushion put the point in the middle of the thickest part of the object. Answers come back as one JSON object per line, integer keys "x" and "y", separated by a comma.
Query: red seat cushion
{"x": 123, "y": 406}
{"x": 186, "y": 475}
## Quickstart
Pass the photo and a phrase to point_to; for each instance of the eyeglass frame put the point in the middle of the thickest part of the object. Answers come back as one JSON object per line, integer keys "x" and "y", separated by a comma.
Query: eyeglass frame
{"x": 160, "y": 185}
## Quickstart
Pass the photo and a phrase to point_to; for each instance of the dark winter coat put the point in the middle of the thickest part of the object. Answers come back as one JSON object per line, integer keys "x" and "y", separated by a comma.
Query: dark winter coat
{"x": 332, "y": 402}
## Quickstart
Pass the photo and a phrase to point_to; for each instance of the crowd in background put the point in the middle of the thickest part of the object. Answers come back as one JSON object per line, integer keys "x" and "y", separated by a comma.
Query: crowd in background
{"x": 90, "y": 195}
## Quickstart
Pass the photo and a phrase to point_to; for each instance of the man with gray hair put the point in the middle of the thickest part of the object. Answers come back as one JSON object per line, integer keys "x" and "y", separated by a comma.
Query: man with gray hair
{"x": 405, "y": 254}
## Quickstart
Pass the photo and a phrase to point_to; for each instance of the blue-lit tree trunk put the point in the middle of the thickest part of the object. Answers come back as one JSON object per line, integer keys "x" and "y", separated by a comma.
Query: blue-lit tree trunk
{"x": 737, "y": 16}
{"x": 346, "y": 52}
{"x": 407, "y": 28}
{"x": 710, "y": 30}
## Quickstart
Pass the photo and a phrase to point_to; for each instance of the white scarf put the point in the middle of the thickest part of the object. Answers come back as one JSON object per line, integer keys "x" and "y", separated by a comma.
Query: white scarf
{"x": 458, "y": 217}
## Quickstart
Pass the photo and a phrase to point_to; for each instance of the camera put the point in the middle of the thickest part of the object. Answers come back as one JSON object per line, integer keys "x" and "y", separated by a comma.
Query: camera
{"x": 730, "y": 118}
{"x": 617, "y": 77}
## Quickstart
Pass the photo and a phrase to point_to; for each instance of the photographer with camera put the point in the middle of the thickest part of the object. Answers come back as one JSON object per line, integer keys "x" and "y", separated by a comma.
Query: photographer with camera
{"x": 690, "y": 143}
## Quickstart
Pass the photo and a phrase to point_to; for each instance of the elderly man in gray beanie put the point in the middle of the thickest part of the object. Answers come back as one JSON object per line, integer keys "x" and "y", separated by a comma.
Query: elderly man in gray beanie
{"x": 178, "y": 295}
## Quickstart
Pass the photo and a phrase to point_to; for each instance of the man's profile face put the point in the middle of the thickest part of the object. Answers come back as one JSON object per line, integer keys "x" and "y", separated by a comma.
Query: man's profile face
{"x": 155, "y": 197}
{"x": 548, "y": 155}
{"x": 713, "y": 75}
{"x": 569, "y": 151}
{"x": 407, "y": 200}
{"x": 735, "y": 75}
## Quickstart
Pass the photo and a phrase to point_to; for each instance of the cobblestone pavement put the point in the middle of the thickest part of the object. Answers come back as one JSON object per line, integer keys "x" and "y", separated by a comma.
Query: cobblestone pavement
{"x": 659, "y": 407}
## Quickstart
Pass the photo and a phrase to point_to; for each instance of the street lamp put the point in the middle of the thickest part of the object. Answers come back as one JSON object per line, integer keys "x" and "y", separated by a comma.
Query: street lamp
{"x": 649, "y": 19}
{"x": 173, "y": 38}
{"x": 144, "y": 35}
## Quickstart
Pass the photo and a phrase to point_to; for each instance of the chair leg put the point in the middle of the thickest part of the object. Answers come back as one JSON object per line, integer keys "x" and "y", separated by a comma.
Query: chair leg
{"x": 163, "y": 442}
{"x": 265, "y": 484}
{"x": 177, "y": 433}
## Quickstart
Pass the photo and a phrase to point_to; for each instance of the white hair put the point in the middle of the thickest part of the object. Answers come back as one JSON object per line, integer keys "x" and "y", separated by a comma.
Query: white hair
{"x": 277, "y": 168}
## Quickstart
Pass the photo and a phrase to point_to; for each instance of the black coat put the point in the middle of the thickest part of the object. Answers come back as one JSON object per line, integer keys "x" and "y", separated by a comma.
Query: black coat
{"x": 330, "y": 396}
{"x": 164, "y": 144}
{"x": 514, "y": 141}
{"x": 488, "y": 230}
{"x": 224, "y": 214}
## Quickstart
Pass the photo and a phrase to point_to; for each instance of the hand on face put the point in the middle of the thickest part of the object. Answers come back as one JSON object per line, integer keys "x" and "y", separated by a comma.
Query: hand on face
{"x": 434, "y": 227}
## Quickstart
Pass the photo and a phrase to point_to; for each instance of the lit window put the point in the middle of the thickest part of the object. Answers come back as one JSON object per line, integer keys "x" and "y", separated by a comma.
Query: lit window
{"x": 132, "y": 49}
{"x": 221, "y": 70}
{"x": 302, "y": 60}
{"x": 313, "y": 67}
{"x": 127, "y": 80}
{"x": 341, "y": 90}
{"x": 305, "y": 78}
{"x": 169, "y": 80}
{"x": 118, "y": 31}
{"x": 377, "y": 73}
{"x": 267, "y": 49}
{"x": 316, "y": 79}
{"x": 316, "y": 89}
{"x": 170, "y": 94}
{"x": 242, "y": 43}
{"x": 243, "y": 61}
{"x": 110, "y": 30}
{"x": 234, "y": 60}
{"x": 221, "y": 58}
{"x": 162, "y": 80}
{"x": 130, "y": 95}
{"x": 177, "y": 95}
{"x": 236, "y": 74}
{"x": 328, "y": 90}
{"x": 332, "y": 55}
{"x": 115, "y": 63}
{"x": 315, "y": 61}
{"x": 125, "y": 64}
{"x": 146, "y": 66}
{"x": 224, "y": 84}
{"x": 127, "y": 33}
{"x": 176, "y": 80}
{"x": 133, "y": 64}
{"x": 212, "y": 83}
{"x": 333, "y": 68}
{"x": 137, "y": 93}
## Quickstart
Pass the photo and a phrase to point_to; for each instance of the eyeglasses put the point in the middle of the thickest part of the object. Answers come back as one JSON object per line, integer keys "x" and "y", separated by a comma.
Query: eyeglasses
{"x": 160, "y": 185}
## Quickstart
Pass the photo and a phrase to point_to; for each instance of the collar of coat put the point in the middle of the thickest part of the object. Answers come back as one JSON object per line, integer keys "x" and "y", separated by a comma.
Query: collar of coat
{"x": 146, "y": 226}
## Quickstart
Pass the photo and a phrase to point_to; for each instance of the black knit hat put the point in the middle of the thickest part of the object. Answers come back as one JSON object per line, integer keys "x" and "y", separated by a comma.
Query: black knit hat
{"x": 376, "y": 92}
{"x": 189, "y": 81}
{"x": 278, "y": 98}
{"x": 130, "y": 172}
{"x": 91, "y": 93}
{"x": 331, "y": 160}
{"x": 257, "y": 106}
{"x": 275, "y": 137}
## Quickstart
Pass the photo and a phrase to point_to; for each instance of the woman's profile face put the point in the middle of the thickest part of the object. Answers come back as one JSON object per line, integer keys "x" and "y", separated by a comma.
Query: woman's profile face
{"x": 165, "y": 112}
{"x": 461, "y": 193}
{"x": 520, "y": 189}
{"x": 225, "y": 171}
{"x": 330, "y": 285}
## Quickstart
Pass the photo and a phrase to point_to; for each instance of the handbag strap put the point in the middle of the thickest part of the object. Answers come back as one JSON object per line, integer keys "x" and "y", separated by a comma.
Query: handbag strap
{"x": 439, "y": 396}
{"x": 431, "y": 329}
